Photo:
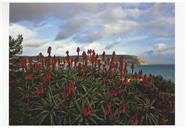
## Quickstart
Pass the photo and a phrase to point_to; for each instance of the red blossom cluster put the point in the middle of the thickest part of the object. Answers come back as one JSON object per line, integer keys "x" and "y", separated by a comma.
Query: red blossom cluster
{"x": 69, "y": 91}
{"x": 40, "y": 90}
{"x": 86, "y": 109}
{"x": 81, "y": 64}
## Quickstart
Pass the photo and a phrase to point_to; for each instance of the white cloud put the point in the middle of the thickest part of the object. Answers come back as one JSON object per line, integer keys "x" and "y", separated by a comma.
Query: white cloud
{"x": 111, "y": 22}
{"x": 161, "y": 53}
{"x": 111, "y": 44}
{"x": 90, "y": 24}
{"x": 63, "y": 45}
{"x": 134, "y": 12}
{"x": 161, "y": 9}
{"x": 161, "y": 20}
{"x": 117, "y": 12}
{"x": 112, "y": 17}
{"x": 16, "y": 29}
{"x": 30, "y": 42}
{"x": 33, "y": 43}
{"x": 118, "y": 28}
{"x": 160, "y": 49}
{"x": 95, "y": 45}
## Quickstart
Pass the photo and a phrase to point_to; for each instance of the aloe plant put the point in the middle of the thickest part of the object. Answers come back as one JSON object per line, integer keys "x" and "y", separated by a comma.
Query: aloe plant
{"x": 83, "y": 93}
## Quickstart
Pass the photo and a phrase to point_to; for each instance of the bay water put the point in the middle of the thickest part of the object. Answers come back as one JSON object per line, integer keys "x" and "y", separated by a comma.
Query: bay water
{"x": 165, "y": 70}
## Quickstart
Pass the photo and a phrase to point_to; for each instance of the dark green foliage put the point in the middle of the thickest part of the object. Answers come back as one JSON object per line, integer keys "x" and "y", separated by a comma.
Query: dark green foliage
{"x": 15, "y": 46}
{"x": 51, "y": 108}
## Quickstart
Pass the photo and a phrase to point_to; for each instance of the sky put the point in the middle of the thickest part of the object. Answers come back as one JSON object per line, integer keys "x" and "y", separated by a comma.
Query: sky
{"x": 143, "y": 29}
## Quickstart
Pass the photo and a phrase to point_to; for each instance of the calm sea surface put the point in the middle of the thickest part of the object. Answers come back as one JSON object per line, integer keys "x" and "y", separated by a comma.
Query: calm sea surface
{"x": 167, "y": 71}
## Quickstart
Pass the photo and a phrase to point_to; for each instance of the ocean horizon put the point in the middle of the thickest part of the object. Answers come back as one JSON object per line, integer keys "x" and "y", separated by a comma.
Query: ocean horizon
{"x": 167, "y": 71}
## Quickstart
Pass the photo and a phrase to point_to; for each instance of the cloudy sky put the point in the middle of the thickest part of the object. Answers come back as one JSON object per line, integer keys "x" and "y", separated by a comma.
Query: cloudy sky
{"x": 143, "y": 29}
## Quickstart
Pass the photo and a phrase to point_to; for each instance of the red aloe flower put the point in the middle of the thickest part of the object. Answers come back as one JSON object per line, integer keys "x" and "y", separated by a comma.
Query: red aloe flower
{"x": 47, "y": 77}
{"x": 112, "y": 92}
{"x": 84, "y": 56}
{"x": 54, "y": 61}
{"x": 103, "y": 56}
{"x": 28, "y": 77}
{"x": 132, "y": 68}
{"x": 134, "y": 121}
{"x": 68, "y": 59}
{"x": 125, "y": 70}
{"x": 67, "y": 52}
{"x": 113, "y": 56}
{"x": 79, "y": 67}
{"x": 49, "y": 50}
{"x": 121, "y": 89}
{"x": 122, "y": 108}
{"x": 140, "y": 73}
{"x": 69, "y": 91}
{"x": 40, "y": 90}
{"x": 108, "y": 110}
{"x": 93, "y": 52}
{"x": 77, "y": 50}
{"x": 40, "y": 55}
{"x": 112, "y": 65}
{"x": 126, "y": 81}
{"x": 87, "y": 110}
{"x": 88, "y": 52}
{"x": 150, "y": 77}
{"x": 23, "y": 63}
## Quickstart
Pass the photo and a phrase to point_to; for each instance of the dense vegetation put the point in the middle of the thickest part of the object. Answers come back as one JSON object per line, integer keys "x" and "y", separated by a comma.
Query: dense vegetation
{"x": 95, "y": 91}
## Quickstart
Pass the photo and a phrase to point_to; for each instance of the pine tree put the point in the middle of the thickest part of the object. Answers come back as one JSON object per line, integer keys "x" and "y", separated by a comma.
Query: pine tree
{"x": 15, "y": 48}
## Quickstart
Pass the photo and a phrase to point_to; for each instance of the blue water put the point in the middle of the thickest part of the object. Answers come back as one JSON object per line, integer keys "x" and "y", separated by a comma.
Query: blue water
{"x": 167, "y": 71}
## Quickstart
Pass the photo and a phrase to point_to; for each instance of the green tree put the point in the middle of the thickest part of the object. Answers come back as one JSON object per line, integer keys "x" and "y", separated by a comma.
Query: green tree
{"x": 15, "y": 46}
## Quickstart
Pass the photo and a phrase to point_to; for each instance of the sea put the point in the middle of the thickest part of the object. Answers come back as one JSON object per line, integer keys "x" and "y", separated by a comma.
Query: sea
{"x": 165, "y": 70}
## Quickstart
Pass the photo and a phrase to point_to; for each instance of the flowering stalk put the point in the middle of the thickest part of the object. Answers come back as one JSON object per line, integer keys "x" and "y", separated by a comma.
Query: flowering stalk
{"x": 87, "y": 109}
{"x": 49, "y": 51}
{"x": 69, "y": 91}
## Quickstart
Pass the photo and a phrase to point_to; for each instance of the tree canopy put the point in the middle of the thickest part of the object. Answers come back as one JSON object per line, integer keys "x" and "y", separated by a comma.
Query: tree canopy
{"x": 15, "y": 46}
